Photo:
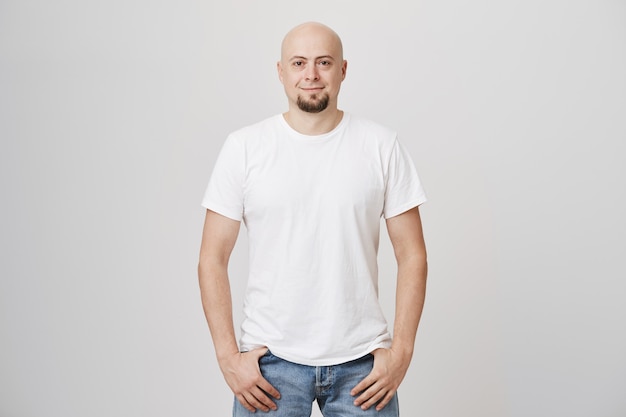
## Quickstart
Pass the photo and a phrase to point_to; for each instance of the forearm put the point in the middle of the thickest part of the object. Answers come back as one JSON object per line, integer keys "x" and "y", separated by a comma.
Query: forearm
{"x": 217, "y": 305}
{"x": 241, "y": 371}
{"x": 410, "y": 296}
{"x": 390, "y": 365}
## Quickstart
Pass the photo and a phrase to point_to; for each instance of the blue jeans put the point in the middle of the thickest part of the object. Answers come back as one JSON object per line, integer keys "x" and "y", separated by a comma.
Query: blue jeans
{"x": 300, "y": 385}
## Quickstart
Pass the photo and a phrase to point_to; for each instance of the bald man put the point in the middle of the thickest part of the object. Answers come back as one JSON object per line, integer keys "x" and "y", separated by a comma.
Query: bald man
{"x": 312, "y": 185}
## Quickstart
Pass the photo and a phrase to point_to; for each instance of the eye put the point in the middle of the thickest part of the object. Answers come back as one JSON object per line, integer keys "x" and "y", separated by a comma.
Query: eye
{"x": 297, "y": 63}
{"x": 324, "y": 63}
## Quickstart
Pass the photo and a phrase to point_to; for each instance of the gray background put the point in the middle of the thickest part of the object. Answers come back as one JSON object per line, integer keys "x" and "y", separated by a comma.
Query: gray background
{"x": 111, "y": 114}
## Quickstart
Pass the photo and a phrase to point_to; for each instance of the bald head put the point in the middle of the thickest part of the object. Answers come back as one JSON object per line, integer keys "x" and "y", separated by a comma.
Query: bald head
{"x": 311, "y": 35}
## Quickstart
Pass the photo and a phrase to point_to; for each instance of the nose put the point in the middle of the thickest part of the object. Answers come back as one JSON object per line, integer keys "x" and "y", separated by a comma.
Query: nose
{"x": 311, "y": 73}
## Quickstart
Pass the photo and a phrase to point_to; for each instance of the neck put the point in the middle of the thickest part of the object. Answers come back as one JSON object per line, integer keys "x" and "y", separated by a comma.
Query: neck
{"x": 313, "y": 123}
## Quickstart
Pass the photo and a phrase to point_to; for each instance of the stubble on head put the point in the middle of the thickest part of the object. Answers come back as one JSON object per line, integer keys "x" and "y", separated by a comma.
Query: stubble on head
{"x": 307, "y": 27}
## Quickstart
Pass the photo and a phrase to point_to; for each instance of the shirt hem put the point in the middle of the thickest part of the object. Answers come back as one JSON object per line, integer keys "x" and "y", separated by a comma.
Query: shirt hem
{"x": 405, "y": 207}
{"x": 222, "y": 210}
{"x": 330, "y": 362}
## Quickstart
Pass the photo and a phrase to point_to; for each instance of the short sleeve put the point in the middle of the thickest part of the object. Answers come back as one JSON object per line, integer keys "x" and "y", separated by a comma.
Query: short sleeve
{"x": 224, "y": 193}
{"x": 403, "y": 188}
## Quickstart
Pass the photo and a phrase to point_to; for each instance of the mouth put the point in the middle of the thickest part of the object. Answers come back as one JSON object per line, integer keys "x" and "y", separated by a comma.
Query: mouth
{"x": 312, "y": 89}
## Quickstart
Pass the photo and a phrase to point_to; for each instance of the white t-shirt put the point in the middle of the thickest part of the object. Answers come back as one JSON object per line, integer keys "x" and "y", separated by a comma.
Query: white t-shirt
{"x": 312, "y": 206}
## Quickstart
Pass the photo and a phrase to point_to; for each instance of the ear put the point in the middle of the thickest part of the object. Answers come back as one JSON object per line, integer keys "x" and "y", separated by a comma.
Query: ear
{"x": 344, "y": 68}
{"x": 279, "y": 69}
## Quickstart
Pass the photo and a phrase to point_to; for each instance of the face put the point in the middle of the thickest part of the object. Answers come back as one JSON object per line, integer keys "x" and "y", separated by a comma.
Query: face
{"x": 312, "y": 68}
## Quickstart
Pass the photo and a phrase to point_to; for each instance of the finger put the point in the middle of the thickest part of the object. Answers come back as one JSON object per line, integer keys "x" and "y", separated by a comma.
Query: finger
{"x": 255, "y": 403}
{"x": 385, "y": 401}
{"x": 242, "y": 400}
{"x": 371, "y": 397}
{"x": 257, "y": 353}
{"x": 363, "y": 385}
{"x": 268, "y": 388}
{"x": 366, "y": 395}
{"x": 263, "y": 399}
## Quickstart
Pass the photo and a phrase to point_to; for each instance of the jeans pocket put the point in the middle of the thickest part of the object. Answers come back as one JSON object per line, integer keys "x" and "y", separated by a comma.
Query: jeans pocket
{"x": 267, "y": 356}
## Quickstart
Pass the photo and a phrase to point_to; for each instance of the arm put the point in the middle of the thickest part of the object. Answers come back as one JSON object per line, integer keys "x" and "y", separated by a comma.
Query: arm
{"x": 241, "y": 370}
{"x": 390, "y": 365}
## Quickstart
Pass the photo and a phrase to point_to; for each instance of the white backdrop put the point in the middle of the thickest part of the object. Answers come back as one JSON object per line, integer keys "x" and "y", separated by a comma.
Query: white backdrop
{"x": 111, "y": 114}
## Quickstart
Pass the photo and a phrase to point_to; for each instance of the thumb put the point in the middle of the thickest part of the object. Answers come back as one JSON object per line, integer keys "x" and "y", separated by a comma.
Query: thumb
{"x": 258, "y": 352}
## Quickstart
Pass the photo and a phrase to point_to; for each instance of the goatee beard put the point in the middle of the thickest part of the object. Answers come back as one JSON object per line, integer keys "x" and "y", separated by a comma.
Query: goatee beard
{"x": 314, "y": 105}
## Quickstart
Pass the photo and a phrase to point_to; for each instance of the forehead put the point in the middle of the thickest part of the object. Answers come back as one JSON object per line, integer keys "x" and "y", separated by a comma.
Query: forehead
{"x": 311, "y": 42}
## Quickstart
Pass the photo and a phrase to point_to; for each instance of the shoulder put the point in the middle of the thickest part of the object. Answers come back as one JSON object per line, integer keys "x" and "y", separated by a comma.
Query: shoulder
{"x": 371, "y": 128}
{"x": 254, "y": 131}
{"x": 366, "y": 129}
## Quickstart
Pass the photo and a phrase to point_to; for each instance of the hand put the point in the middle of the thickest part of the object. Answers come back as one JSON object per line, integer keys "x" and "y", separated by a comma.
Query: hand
{"x": 383, "y": 381}
{"x": 243, "y": 376}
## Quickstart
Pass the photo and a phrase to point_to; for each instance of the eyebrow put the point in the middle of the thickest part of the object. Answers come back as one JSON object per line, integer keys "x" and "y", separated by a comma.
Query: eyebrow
{"x": 316, "y": 58}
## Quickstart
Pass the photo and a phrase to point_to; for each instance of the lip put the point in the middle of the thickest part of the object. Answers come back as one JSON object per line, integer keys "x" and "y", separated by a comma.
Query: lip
{"x": 312, "y": 88}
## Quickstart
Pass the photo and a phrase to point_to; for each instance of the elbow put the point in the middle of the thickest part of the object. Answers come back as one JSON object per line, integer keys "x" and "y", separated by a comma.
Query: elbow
{"x": 204, "y": 271}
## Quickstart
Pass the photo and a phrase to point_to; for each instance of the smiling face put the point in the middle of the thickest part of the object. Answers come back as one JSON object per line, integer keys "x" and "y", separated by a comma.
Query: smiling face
{"x": 312, "y": 67}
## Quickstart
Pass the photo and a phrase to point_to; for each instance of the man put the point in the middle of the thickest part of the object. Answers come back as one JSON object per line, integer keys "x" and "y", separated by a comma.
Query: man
{"x": 311, "y": 186}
